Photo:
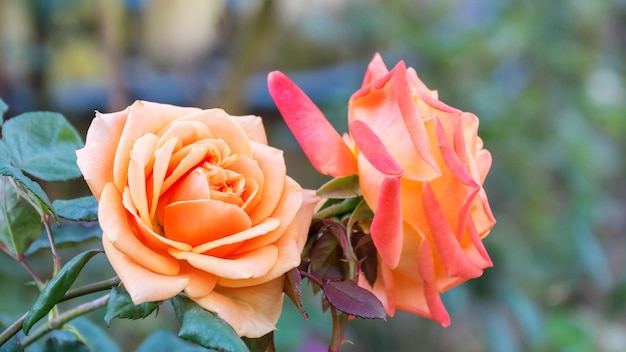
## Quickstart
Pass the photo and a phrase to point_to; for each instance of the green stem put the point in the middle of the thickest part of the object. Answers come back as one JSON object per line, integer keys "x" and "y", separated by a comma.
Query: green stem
{"x": 53, "y": 248}
{"x": 61, "y": 319}
{"x": 77, "y": 292}
{"x": 12, "y": 329}
{"x": 91, "y": 288}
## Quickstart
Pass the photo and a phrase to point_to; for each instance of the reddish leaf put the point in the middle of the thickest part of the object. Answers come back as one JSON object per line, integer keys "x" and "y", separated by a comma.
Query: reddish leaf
{"x": 350, "y": 298}
{"x": 367, "y": 256}
{"x": 293, "y": 289}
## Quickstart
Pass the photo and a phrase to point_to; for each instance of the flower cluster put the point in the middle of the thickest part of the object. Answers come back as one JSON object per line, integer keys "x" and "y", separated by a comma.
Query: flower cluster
{"x": 195, "y": 207}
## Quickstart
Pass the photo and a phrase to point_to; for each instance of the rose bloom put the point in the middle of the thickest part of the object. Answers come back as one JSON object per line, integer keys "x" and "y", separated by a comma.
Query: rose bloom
{"x": 196, "y": 201}
{"x": 421, "y": 167}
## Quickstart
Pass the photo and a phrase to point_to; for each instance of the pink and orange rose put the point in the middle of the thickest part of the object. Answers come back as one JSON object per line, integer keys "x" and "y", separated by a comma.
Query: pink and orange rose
{"x": 421, "y": 167}
{"x": 196, "y": 201}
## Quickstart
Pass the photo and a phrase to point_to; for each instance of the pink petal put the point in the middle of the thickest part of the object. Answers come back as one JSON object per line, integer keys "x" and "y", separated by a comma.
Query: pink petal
{"x": 319, "y": 140}
{"x": 454, "y": 259}
{"x": 387, "y": 224}
{"x": 427, "y": 270}
{"x": 412, "y": 116}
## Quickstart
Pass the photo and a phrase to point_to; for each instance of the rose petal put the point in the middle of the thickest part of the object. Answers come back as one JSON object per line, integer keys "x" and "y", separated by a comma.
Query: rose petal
{"x": 454, "y": 259}
{"x": 200, "y": 282}
{"x": 162, "y": 158}
{"x": 140, "y": 157}
{"x": 143, "y": 285}
{"x": 289, "y": 204}
{"x": 95, "y": 160}
{"x": 143, "y": 118}
{"x": 224, "y": 127}
{"x": 253, "y": 264}
{"x": 375, "y": 70}
{"x": 241, "y": 237}
{"x": 251, "y": 311}
{"x": 200, "y": 221}
{"x": 117, "y": 229}
{"x": 319, "y": 140}
{"x": 253, "y": 126}
{"x": 271, "y": 162}
{"x": 412, "y": 117}
{"x": 289, "y": 244}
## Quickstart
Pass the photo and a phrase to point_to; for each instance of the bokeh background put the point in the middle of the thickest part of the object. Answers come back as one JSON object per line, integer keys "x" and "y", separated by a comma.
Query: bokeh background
{"x": 546, "y": 78}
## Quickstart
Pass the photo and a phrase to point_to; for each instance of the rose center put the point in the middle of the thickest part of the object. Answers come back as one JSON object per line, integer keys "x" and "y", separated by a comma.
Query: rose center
{"x": 225, "y": 185}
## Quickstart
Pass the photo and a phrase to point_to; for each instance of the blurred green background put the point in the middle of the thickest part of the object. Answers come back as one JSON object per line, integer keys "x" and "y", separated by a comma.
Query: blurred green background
{"x": 546, "y": 78}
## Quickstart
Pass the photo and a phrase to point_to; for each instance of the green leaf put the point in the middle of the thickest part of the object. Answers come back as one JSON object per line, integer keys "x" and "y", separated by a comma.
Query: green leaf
{"x": 205, "y": 328}
{"x": 264, "y": 343}
{"x": 3, "y": 108}
{"x": 341, "y": 187}
{"x": 20, "y": 223}
{"x": 31, "y": 187}
{"x": 56, "y": 288}
{"x": 293, "y": 289}
{"x": 78, "y": 209}
{"x": 121, "y": 306}
{"x": 96, "y": 338}
{"x": 43, "y": 144}
{"x": 165, "y": 341}
{"x": 350, "y": 298}
{"x": 67, "y": 234}
{"x": 64, "y": 340}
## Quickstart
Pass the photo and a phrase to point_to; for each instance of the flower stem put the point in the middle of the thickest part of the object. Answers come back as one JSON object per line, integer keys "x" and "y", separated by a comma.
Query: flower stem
{"x": 77, "y": 292}
{"x": 53, "y": 248}
{"x": 61, "y": 319}
{"x": 91, "y": 288}
{"x": 12, "y": 329}
{"x": 339, "y": 328}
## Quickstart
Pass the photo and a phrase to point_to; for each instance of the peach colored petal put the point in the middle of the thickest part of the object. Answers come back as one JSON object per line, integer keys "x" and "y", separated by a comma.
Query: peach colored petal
{"x": 187, "y": 132}
{"x": 290, "y": 244}
{"x": 223, "y": 127}
{"x": 200, "y": 282}
{"x": 260, "y": 229}
{"x": 253, "y": 126}
{"x": 288, "y": 206}
{"x": 143, "y": 118}
{"x": 95, "y": 160}
{"x": 251, "y": 311}
{"x": 162, "y": 158}
{"x": 140, "y": 156}
{"x": 117, "y": 229}
{"x": 249, "y": 167}
{"x": 272, "y": 164}
{"x": 376, "y": 106}
{"x": 319, "y": 140}
{"x": 189, "y": 161}
{"x": 142, "y": 284}
{"x": 145, "y": 233}
{"x": 200, "y": 221}
{"x": 253, "y": 264}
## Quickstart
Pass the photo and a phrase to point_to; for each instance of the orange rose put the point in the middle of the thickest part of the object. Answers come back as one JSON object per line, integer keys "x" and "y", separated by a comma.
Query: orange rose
{"x": 196, "y": 201}
{"x": 421, "y": 167}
